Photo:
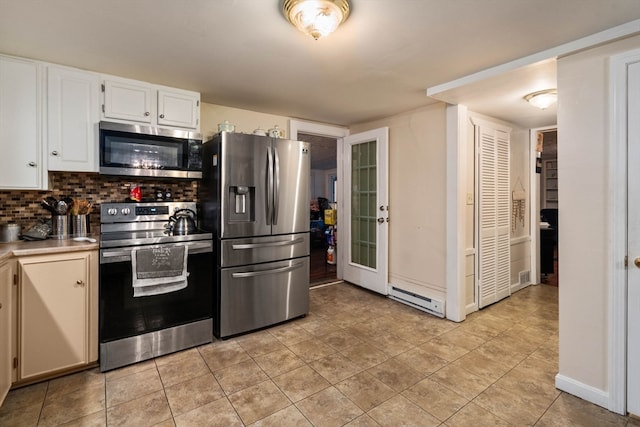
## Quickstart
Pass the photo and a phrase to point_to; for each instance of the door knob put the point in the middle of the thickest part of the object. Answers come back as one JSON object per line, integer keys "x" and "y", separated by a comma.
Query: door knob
{"x": 380, "y": 220}
{"x": 637, "y": 262}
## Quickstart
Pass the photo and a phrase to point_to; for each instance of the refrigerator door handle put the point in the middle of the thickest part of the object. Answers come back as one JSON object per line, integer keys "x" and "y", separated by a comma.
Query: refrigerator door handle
{"x": 276, "y": 190}
{"x": 271, "y": 271}
{"x": 269, "y": 244}
{"x": 269, "y": 192}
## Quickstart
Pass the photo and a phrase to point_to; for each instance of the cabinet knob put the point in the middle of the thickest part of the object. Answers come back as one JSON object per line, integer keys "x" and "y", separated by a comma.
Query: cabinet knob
{"x": 162, "y": 116}
{"x": 54, "y": 153}
{"x": 32, "y": 164}
{"x": 146, "y": 113}
{"x": 637, "y": 262}
{"x": 80, "y": 282}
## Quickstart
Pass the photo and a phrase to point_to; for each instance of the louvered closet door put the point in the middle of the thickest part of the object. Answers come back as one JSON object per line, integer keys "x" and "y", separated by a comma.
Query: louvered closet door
{"x": 494, "y": 257}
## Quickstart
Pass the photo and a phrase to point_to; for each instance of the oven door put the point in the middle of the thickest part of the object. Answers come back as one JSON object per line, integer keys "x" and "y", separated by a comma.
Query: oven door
{"x": 123, "y": 315}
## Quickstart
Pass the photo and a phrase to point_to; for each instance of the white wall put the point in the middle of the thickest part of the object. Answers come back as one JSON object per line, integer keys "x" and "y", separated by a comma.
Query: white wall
{"x": 244, "y": 120}
{"x": 583, "y": 132}
{"x": 417, "y": 188}
{"x": 320, "y": 183}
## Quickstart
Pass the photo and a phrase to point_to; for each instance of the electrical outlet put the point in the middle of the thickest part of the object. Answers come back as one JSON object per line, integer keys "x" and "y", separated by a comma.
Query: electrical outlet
{"x": 469, "y": 198}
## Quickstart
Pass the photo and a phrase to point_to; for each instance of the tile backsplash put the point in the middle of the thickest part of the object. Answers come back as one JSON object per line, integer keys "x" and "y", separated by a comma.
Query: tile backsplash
{"x": 23, "y": 206}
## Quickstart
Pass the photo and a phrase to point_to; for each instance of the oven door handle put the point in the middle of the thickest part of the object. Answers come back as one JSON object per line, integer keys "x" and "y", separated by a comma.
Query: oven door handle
{"x": 268, "y": 244}
{"x": 264, "y": 272}
{"x": 119, "y": 255}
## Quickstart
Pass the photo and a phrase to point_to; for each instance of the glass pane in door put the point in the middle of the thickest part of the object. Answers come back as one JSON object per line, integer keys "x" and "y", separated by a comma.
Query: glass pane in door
{"x": 363, "y": 204}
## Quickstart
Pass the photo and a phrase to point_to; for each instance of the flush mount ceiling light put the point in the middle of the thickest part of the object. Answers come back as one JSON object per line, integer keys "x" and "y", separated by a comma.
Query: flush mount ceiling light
{"x": 542, "y": 99}
{"x": 318, "y": 18}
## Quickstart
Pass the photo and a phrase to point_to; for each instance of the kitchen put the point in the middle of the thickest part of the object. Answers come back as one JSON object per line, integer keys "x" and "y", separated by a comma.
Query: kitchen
{"x": 430, "y": 119}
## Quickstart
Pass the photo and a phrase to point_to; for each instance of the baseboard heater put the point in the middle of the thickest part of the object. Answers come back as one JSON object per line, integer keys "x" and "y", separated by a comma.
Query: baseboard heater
{"x": 420, "y": 302}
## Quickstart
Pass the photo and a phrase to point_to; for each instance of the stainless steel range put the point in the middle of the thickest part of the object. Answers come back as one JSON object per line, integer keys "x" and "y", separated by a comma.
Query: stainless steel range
{"x": 155, "y": 285}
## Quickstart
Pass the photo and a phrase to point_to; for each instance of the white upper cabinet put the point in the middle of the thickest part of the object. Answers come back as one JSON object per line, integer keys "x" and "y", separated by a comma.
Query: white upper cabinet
{"x": 73, "y": 109}
{"x": 21, "y": 165}
{"x": 130, "y": 101}
{"x": 178, "y": 108}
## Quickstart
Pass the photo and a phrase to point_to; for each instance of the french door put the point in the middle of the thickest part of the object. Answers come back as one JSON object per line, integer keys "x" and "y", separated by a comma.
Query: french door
{"x": 365, "y": 224}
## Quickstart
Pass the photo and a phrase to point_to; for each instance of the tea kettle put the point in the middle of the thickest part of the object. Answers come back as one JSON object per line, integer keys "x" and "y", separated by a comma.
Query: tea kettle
{"x": 182, "y": 222}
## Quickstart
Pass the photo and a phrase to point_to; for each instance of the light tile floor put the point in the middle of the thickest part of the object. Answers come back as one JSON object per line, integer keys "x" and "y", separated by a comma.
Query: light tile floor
{"x": 357, "y": 359}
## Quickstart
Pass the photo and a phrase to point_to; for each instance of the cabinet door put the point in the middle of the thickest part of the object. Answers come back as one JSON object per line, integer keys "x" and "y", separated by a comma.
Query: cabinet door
{"x": 6, "y": 335}
{"x": 73, "y": 116}
{"x": 129, "y": 101}
{"x": 54, "y": 313}
{"x": 178, "y": 108}
{"x": 20, "y": 140}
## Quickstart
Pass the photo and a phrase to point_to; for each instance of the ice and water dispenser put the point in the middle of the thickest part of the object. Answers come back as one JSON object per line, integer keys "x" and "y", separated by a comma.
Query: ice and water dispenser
{"x": 241, "y": 203}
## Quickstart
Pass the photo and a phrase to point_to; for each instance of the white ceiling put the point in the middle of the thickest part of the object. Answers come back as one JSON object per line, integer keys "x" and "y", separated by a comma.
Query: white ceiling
{"x": 243, "y": 53}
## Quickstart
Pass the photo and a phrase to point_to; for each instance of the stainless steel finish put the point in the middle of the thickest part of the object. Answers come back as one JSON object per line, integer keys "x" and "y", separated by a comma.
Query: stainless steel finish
{"x": 255, "y": 198}
{"x": 10, "y": 232}
{"x": 150, "y": 172}
{"x": 149, "y": 130}
{"x": 32, "y": 164}
{"x": 110, "y": 255}
{"x": 261, "y": 295}
{"x": 276, "y": 188}
{"x": 253, "y": 250}
{"x": 153, "y": 344}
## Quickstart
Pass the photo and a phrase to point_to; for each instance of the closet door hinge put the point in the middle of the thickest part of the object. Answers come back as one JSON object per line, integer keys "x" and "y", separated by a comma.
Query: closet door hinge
{"x": 626, "y": 260}
{"x": 15, "y": 279}
{"x": 15, "y": 363}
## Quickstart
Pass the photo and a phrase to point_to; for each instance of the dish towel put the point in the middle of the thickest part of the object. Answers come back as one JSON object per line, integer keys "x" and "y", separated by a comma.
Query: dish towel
{"x": 159, "y": 270}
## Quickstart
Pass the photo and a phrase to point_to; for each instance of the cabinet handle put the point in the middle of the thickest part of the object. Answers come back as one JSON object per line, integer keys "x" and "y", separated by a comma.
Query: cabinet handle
{"x": 162, "y": 116}
{"x": 146, "y": 113}
{"x": 80, "y": 282}
{"x": 32, "y": 164}
{"x": 54, "y": 153}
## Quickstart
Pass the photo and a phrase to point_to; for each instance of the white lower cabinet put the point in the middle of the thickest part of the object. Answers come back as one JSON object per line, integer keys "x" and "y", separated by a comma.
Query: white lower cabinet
{"x": 58, "y": 312}
{"x": 7, "y": 336}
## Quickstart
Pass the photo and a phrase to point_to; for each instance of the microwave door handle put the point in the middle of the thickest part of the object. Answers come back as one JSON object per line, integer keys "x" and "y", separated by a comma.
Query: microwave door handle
{"x": 276, "y": 190}
{"x": 269, "y": 192}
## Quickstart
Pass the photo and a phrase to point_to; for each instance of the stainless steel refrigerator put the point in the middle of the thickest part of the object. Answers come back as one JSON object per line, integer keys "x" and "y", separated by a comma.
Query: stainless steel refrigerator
{"x": 254, "y": 197}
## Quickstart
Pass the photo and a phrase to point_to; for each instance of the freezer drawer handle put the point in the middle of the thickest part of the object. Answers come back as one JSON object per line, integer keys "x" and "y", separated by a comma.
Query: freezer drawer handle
{"x": 272, "y": 271}
{"x": 268, "y": 245}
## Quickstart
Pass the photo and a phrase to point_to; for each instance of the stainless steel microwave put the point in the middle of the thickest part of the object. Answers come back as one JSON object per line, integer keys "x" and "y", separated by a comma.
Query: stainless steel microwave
{"x": 132, "y": 150}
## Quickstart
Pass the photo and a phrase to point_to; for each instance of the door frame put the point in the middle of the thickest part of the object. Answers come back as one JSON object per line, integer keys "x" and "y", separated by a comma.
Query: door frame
{"x": 339, "y": 133}
{"x": 534, "y": 202}
{"x": 617, "y": 316}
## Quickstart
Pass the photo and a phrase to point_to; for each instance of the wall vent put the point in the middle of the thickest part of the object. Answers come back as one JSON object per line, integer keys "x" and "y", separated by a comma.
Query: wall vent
{"x": 525, "y": 278}
{"x": 420, "y": 302}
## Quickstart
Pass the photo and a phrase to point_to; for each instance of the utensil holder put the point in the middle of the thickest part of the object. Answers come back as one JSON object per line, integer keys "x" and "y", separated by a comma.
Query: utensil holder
{"x": 59, "y": 226}
{"x": 79, "y": 225}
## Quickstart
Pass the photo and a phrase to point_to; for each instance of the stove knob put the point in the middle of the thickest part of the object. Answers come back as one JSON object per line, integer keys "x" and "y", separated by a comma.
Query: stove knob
{"x": 112, "y": 211}
{"x": 125, "y": 211}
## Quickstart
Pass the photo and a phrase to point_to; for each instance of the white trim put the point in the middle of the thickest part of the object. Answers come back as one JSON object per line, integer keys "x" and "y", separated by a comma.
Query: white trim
{"x": 606, "y": 36}
{"x": 338, "y": 132}
{"x": 583, "y": 391}
{"x": 617, "y": 372}
{"x": 456, "y": 152}
{"x": 520, "y": 240}
{"x": 470, "y": 251}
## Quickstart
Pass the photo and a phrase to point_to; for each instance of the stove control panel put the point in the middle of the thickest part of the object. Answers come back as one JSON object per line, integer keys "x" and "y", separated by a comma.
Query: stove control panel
{"x": 137, "y": 212}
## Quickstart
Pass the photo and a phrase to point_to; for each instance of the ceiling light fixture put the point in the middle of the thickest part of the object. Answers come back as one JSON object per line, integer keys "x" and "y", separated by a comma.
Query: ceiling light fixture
{"x": 542, "y": 99}
{"x": 318, "y": 18}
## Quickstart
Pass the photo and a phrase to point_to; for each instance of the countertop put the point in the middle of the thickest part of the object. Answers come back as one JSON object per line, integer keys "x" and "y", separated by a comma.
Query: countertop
{"x": 49, "y": 246}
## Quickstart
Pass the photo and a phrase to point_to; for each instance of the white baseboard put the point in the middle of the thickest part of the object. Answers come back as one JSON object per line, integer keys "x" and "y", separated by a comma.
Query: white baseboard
{"x": 583, "y": 391}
